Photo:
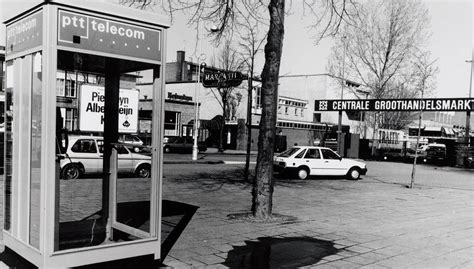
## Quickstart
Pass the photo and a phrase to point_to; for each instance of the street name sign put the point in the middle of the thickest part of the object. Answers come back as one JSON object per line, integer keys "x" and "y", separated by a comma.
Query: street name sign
{"x": 222, "y": 79}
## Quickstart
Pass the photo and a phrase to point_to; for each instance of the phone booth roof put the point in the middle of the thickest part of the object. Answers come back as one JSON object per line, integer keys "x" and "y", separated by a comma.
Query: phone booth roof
{"x": 100, "y": 7}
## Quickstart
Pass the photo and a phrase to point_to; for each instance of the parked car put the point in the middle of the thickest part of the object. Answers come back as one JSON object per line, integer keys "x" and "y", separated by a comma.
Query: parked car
{"x": 311, "y": 160}
{"x": 182, "y": 145}
{"x": 84, "y": 155}
{"x": 432, "y": 152}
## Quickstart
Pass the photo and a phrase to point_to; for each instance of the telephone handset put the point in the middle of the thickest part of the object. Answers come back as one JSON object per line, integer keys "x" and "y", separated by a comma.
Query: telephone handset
{"x": 62, "y": 138}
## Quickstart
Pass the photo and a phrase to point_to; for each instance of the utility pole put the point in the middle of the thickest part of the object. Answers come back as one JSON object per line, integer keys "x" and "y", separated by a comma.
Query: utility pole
{"x": 340, "y": 148}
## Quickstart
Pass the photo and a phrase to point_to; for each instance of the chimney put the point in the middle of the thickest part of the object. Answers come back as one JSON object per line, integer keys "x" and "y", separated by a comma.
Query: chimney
{"x": 181, "y": 65}
{"x": 180, "y": 54}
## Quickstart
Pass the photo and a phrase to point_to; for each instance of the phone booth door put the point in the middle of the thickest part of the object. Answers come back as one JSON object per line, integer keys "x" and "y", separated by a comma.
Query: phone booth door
{"x": 104, "y": 188}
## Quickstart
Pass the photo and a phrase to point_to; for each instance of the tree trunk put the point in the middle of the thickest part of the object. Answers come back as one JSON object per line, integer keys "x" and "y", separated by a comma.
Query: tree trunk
{"x": 263, "y": 185}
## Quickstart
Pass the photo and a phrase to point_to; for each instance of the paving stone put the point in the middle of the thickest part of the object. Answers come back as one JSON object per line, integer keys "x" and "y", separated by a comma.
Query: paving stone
{"x": 209, "y": 259}
{"x": 333, "y": 258}
{"x": 359, "y": 249}
{"x": 342, "y": 264}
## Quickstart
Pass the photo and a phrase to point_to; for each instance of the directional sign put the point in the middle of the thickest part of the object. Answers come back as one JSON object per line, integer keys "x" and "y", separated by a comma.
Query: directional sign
{"x": 432, "y": 104}
{"x": 222, "y": 79}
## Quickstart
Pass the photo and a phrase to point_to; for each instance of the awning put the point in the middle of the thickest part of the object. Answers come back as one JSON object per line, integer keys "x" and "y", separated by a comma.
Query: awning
{"x": 448, "y": 131}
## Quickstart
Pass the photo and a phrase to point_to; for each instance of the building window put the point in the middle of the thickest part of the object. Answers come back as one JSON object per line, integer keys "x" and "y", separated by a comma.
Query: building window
{"x": 296, "y": 111}
{"x": 302, "y": 112}
{"x": 258, "y": 97}
{"x": 70, "y": 89}
{"x": 286, "y": 110}
{"x": 317, "y": 117}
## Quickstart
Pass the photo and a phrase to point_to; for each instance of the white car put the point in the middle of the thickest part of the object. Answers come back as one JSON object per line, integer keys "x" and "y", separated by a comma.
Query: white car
{"x": 321, "y": 161}
{"x": 84, "y": 155}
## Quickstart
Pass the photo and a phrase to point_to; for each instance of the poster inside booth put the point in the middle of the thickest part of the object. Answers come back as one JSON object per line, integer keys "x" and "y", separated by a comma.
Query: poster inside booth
{"x": 91, "y": 109}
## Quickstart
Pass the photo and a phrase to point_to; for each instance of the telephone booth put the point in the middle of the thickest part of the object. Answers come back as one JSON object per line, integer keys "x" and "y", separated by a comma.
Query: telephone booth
{"x": 74, "y": 193}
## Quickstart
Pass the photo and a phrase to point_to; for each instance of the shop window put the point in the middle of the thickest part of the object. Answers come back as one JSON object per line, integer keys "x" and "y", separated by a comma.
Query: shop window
{"x": 172, "y": 123}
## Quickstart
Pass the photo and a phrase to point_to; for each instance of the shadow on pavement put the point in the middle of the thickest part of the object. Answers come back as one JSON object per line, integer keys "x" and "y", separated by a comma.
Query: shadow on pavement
{"x": 269, "y": 252}
{"x": 213, "y": 181}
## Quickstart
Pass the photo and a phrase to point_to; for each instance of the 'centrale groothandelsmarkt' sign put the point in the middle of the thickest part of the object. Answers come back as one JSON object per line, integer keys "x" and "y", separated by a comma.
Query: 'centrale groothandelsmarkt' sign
{"x": 446, "y": 104}
{"x": 109, "y": 36}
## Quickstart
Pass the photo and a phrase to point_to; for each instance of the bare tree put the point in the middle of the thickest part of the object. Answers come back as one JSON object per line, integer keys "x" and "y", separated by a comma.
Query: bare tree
{"x": 382, "y": 51}
{"x": 251, "y": 41}
{"x": 226, "y": 14}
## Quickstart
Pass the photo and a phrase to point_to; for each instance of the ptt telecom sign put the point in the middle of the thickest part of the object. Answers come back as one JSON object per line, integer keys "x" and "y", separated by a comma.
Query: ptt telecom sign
{"x": 25, "y": 34}
{"x": 109, "y": 36}
{"x": 448, "y": 104}
{"x": 91, "y": 109}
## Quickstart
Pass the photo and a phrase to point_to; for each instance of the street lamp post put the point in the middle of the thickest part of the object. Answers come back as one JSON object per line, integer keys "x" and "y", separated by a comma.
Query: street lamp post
{"x": 196, "y": 111}
{"x": 468, "y": 113}
{"x": 340, "y": 148}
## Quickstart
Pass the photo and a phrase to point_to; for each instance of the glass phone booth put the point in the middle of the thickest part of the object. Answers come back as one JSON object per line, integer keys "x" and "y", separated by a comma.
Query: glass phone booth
{"x": 75, "y": 191}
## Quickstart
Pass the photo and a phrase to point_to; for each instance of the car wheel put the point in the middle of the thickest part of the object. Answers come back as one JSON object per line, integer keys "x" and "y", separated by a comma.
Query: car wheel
{"x": 354, "y": 173}
{"x": 143, "y": 171}
{"x": 167, "y": 150}
{"x": 303, "y": 173}
{"x": 70, "y": 171}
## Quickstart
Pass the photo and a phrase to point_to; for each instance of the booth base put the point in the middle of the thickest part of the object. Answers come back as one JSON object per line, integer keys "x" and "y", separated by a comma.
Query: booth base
{"x": 175, "y": 217}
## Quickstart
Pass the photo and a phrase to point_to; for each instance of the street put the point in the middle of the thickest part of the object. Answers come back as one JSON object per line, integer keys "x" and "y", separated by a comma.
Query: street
{"x": 375, "y": 222}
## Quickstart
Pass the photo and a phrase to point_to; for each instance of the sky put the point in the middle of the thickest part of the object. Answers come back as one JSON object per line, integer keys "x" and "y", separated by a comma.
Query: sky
{"x": 451, "y": 43}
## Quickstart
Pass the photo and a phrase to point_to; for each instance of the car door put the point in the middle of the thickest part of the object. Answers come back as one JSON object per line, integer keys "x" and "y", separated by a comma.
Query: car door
{"x": 126, "y": 162}
{"x": 332, "y": 164}
{"x": 85, "y": 151}
{"x": 312, "y": 159}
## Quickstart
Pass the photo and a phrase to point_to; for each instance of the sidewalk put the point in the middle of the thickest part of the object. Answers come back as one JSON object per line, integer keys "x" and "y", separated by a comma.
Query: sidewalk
{"x": 338, "y": 224}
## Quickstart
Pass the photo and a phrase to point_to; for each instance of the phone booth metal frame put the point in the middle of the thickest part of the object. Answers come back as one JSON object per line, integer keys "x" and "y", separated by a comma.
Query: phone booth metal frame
{"x": 42, "y": 22}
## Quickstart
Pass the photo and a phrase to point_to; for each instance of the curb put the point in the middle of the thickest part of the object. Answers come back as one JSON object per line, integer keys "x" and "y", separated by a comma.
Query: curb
{"x": 194, "y": 162}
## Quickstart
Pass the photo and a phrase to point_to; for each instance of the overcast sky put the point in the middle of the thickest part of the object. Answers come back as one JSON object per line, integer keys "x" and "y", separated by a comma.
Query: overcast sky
{"x": 451, "y": 43}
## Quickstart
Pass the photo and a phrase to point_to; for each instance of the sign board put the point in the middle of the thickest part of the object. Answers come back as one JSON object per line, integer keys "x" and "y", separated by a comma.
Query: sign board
{"x": 222, "y": 79}
{"x": 433, "y": 104}
{"x": 25, "y": 34}
{"x": 94, "y": 33}
{"x": 91, "y": 109}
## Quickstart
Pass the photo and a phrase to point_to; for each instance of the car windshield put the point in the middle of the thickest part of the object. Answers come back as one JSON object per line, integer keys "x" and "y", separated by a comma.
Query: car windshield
{"x": 289, "y": 152}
